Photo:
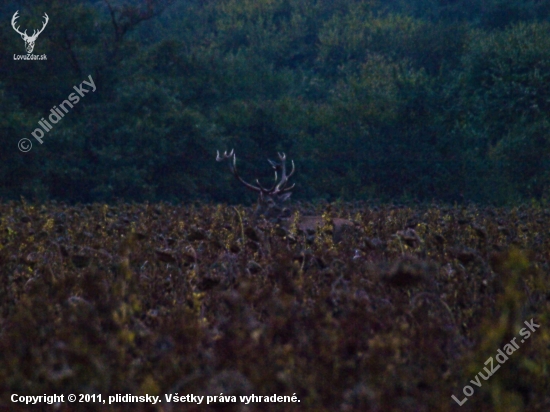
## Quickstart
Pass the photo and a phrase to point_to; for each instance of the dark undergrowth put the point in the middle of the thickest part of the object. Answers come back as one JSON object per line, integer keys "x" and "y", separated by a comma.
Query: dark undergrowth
{"x": 160, "y": 299}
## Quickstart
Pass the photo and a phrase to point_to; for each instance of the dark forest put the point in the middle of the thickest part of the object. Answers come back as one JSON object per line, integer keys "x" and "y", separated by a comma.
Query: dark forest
{"x": 414, "y": 100}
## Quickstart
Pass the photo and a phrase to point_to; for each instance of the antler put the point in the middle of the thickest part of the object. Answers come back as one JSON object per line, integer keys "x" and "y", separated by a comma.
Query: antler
{"x": 35, "y": 32}
{"x": 233, "y": 168}
{"x": 284, "y": 178}
{"x": 46, "y": 20}
{"x": 13, "y": 21}
{"x": 276, "y": 189}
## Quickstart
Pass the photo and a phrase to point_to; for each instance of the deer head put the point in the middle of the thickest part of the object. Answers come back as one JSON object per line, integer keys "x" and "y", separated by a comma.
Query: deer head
{"x": 29, "y": 40}
{"x": 270, "y": 201}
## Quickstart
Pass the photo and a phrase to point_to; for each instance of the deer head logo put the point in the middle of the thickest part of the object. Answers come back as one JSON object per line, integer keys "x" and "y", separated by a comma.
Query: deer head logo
{"x": 29, "y": 40}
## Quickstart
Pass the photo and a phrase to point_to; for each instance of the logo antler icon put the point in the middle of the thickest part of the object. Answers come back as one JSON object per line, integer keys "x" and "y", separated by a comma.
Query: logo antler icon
{"x": 29, "y": 40}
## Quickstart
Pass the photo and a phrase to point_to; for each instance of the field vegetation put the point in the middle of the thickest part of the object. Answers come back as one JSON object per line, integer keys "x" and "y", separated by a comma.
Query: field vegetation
{"x": 193, "y": 299}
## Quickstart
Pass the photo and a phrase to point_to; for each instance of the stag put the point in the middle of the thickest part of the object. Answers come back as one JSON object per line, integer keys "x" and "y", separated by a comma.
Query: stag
{"x": 29, "y": 40}
{"x": 271, "y": 200}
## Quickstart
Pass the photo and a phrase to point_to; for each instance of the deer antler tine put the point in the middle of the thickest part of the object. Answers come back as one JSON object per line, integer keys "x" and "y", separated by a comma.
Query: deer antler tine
{"x": 234, "y": 166}
{"x": 292, "y": 171}
{"x": 284, "y": 177}
{"x": 271, "y": 189}
{"x": 260, "y": 186}
{"x": 46, "y": 19}
{"x": 14, "y": 22}
{"x": 224, "y": 156}
{"x": 288, "y": 189}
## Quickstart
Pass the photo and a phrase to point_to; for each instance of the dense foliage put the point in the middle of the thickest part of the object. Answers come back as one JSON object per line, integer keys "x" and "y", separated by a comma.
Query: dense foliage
{"x": 157, "y": 299}
{"x": 416, "y": 99}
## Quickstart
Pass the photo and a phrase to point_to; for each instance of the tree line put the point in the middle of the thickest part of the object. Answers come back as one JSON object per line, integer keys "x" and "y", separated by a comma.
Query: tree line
{"x": 407, "y": 100}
